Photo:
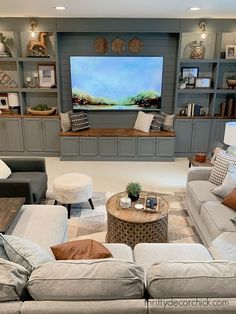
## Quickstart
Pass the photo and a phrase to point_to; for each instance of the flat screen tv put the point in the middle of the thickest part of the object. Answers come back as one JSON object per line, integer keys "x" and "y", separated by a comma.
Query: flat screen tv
{"x": 116, "y": 83}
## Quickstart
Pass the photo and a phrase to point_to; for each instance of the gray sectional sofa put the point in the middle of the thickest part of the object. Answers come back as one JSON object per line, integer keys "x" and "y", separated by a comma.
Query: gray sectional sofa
{"x": 151, "y": 278}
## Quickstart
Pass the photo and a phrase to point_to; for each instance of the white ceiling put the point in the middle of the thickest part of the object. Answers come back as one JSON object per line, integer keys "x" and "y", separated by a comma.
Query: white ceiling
{"x": 119, "y": 8}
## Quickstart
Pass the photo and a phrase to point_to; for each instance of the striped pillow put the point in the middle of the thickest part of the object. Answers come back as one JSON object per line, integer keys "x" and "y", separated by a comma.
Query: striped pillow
{"x": 157, "y": 122}
{"x": 79, "y": 121}
{"x": 220, "y": 168}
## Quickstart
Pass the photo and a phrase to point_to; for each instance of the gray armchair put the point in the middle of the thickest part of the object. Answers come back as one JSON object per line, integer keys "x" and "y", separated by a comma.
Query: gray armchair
{"x": 28, "y": 179}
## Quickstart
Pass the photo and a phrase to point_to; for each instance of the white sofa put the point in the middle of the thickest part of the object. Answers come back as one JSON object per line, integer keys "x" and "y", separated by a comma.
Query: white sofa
{"x": 48, "y": 226}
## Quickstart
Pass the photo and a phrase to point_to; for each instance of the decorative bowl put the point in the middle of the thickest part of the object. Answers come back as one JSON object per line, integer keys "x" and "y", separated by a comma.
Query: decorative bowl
{"x": 42, "y": 112}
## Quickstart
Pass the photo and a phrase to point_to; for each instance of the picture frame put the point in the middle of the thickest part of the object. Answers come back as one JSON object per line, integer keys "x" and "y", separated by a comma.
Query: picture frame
{"x": 202, "y": 82}
{"x": 47, "y": 75}
{"x": 4, "y": 104}
{"x": 190, "y": 73}
{"x": 230, "y": 52}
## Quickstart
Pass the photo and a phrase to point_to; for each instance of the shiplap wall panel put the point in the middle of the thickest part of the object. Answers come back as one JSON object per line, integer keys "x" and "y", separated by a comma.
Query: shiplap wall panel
{"x": 82, "y": 44}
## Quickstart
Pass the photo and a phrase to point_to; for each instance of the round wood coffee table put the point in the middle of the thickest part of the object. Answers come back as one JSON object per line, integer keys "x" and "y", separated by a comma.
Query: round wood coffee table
{"x": 132, "y": 226}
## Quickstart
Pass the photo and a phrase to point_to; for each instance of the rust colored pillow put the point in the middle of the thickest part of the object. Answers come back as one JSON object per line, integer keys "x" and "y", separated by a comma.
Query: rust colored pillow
{"x": 80, "y": 249}
{"x": 230, "y": 199}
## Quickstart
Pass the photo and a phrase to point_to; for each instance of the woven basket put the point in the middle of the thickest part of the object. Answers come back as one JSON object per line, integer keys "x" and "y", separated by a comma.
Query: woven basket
{"x": 42, "y": 113}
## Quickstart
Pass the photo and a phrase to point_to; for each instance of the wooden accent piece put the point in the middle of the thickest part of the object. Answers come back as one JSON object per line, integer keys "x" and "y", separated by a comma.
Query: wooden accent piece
{"x": 101, "y": 45}
{"x": 201, "y": 157}
{"x": 118, "y": 133}
{"x": 132, "y": 226}
{"x": 9, "y": 207}
{"x": 118, "y": 45}
{"x": 195, "y": 163}
{"x": 135, "y": 45}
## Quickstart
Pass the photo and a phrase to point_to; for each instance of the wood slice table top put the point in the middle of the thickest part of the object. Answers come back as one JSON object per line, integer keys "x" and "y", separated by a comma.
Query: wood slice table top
{"x": 9, "y": 207}
{"x": 133, "y": 215}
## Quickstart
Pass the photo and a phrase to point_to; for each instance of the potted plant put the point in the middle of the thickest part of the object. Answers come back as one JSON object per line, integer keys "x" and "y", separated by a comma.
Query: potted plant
{"x": 182, "y": 81}
{"x": 4, "y": 51}
{"x": 231, "y": 81}
{"x": 133, "y": 189}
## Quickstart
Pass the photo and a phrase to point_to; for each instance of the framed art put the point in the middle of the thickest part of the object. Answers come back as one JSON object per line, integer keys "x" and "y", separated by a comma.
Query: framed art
{"x": 202, "y": 82}
{"x": 230, "y": 52}
{"x": 190, "y": 73}
{"x": 4, "y": 105}
{"x": 47, "y": 76}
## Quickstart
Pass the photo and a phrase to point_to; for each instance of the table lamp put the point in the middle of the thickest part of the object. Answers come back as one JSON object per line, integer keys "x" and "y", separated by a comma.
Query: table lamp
{"x": 230, "y": 137}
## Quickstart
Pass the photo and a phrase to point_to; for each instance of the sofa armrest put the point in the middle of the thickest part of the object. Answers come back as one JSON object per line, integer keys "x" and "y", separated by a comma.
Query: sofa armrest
{"x": 16, "y": 188}
{"x": 198, "y": 173}
{"x": 26, "y": 164}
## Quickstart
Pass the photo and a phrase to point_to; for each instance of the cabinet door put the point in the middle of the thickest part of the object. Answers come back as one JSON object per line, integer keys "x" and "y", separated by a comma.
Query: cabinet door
{"x": 2, "y": 136}
{"x": 165, "y": 146}
{"x": 33, "y": 134}
{"x": 108, "y": 146}
{"x": 88, "y": 146}
{"x": 217, "y": 133}
{"x": 201, "y": 135}
{"x": 13, "y": 135}
{"x": 69, "y": 146}
{"x": 146, "y": 146}
{"x": 50, "y": 135}
{"x": 183, "y": 129}
{"x": 126, "y": 146}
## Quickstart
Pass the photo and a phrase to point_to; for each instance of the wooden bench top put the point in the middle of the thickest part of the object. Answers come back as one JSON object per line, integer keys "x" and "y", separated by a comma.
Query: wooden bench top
{"x": 118, "y": 133}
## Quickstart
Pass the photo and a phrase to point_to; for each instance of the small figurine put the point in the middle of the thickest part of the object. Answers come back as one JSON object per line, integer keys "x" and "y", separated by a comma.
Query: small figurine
{"x": 38, "y": 48}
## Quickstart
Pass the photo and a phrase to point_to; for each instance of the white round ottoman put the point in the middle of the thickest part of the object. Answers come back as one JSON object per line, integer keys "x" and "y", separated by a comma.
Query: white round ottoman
{"x": 72, "y": 188}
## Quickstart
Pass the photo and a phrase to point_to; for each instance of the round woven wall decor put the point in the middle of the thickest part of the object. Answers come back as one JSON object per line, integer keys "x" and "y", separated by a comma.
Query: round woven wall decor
{"x": 118, "y": 45}
{"x": 135, "y": 45}
{"x": 101, "y": 45}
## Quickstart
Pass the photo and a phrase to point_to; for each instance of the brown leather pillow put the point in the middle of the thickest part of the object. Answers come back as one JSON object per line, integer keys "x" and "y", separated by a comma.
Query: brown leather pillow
{"x": 230, "y": 199}
{"x": 80, "y": 249}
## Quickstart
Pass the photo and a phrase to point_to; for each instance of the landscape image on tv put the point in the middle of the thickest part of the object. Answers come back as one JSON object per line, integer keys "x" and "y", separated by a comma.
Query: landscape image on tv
{"x": 116, "y": 83}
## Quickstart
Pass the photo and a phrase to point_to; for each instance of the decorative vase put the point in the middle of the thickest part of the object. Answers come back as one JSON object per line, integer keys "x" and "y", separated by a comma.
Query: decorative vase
{"x": 197, "y": 50}
{"x": 133, "y": 197}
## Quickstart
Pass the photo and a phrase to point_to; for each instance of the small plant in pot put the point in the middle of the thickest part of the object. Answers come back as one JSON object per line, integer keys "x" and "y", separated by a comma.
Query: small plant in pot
{"x": 231, "y": 81}
{"x": 133, "y": 189}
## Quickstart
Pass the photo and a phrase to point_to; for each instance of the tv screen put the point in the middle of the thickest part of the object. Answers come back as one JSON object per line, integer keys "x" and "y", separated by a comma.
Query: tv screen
{"x": 116, "y": 83}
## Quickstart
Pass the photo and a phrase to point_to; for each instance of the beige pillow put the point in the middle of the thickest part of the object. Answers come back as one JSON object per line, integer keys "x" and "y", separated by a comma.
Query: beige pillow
{"x": 192, "y": 280}
{"x": 228, "y": 184}
{"x": 65, "y": 122}
{"x": 168, "y": 123}
{"x": 5, "y": 171}
{"x": 25, "y": 252}
{"x": 104, "y": 279}
{"x": 13, "y": 278}
{"x": 143, "y": 121}
{"x": 80, "y": 249}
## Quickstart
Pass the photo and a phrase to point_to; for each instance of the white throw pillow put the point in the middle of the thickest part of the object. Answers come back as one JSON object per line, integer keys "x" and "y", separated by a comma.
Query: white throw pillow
{"x": 228, "y": 184}
{"x": 25, "y": 252}
{"x": 65, "y": 122}
{"x": 168, "y": 123}
{"x": 143, "y": 121}
{"x": 5, "y": 171}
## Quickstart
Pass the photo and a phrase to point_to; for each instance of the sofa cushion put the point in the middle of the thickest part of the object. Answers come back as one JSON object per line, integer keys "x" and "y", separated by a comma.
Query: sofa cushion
{"x": 13, "y": 307}
{"x": 25, "y": 252}
{"x": 28, "y": 224}
{"x": 146, "y": 254}
{"x": 224, "y": 247}
{"x": 105, "y": 279}
{"x": 80, "y": 249}
{"x": 220, "y": 168}
{"x": 228, "y": 184}
{"x": 192, "y": 280}
{"x": 38, "y": 182}
{"x": 120, "y": 251}
{"x": 13, "y": 278}
{"x": 200, "y": 192}
{"x": 217, "y": 217}
{"x": 5, "y": 171}
{"x": 157, "y": 122}
{"x": 65, "y": 122}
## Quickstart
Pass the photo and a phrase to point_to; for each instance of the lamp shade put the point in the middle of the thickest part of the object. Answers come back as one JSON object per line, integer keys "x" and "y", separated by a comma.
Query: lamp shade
{"x": 230, "y": 133}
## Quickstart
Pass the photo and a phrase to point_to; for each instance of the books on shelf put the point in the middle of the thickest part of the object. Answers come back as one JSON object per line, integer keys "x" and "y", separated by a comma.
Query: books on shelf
{"x": 194, "y": 110}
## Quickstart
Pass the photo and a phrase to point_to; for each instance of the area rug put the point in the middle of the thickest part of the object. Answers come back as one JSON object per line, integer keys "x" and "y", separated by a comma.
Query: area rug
{"x": 88, "y": 223}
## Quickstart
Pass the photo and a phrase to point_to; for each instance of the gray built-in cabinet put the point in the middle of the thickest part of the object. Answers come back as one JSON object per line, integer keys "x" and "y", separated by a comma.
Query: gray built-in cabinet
{"x": 169, "y": 38}
{"x": 117, "y": 148}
